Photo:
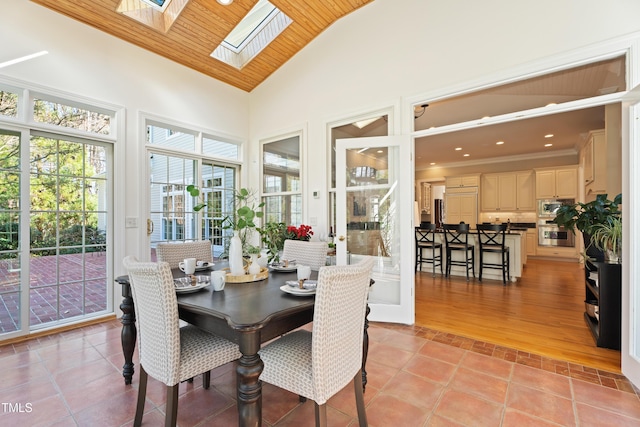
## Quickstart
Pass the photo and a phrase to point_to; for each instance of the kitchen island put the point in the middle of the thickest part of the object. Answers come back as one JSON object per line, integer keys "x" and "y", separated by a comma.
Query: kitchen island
{"x": 514, "y": 240}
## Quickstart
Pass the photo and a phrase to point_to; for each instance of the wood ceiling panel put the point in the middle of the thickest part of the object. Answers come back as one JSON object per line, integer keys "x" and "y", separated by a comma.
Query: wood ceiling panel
{"x": 202, "y": 26}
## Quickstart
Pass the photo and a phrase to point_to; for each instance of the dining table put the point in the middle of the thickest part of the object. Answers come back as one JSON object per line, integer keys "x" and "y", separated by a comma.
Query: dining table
{"x": 247, "y": 314}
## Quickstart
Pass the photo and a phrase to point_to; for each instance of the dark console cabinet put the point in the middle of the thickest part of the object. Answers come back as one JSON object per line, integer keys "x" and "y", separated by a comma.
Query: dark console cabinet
{"x": 603, "y": 286}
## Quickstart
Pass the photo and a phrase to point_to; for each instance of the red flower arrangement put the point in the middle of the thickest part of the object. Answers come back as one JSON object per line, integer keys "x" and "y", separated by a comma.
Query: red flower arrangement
{"x": 303, "y": 232}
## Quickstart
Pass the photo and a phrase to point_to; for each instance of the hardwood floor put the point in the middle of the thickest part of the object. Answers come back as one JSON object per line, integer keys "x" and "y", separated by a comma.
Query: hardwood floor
{"x": 541, "y": 313}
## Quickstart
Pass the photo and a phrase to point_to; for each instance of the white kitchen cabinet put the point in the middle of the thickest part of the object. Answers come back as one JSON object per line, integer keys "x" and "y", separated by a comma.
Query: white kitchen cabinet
{"x": 595, "y": 163}
{"x": 525, "y": 191}
{"x": 532, "y": 241}
{"x": 512, "y": 191}
{"x": 462, "y": 181}
{"x": 461, "y": 207}
{"x": 559, "y": 183}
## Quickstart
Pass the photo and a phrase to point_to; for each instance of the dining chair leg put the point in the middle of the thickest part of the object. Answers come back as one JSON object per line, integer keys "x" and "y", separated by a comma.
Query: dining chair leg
{"x": 321, "y": 414}
{"x": 142, "y": 393}
{"x": 206, "y": 380}
{"x": 171, "y": 417}
{"x": 357, "y": 385}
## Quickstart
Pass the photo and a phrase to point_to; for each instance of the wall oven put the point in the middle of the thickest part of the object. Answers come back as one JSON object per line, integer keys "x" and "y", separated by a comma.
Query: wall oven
{"x": 550, "y": 234}
{"x": 549, "y": 208}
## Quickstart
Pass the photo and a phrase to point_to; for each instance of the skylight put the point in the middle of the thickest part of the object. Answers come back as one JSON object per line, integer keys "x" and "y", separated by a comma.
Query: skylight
{"x": 258, "y": 28}
{"x": 257, "y": 17}
{"x": 160, "y": 5}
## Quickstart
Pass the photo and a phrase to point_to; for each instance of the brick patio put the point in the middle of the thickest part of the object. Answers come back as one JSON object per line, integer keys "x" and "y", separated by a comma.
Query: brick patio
{"x": 54, "y": 295}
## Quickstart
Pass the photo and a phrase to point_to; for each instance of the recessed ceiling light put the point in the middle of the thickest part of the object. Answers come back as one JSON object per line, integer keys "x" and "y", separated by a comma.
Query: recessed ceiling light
{"x": 432, "y": 163}
{"x": 499, "y": 142}
{"x": 380, "y": 151}
{"x": 465, "y": 155}
{"x": 548, "y": 145}
{"x": 225, "y": 2}
{"x": 486, "y": 117}
{"x": 551, "y": 104}
{"x": 458, "y": 148}
{"x": 549, "y": 135}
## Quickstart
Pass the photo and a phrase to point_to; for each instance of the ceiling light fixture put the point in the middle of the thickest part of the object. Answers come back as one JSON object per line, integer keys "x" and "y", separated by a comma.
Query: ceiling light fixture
{"x": 419, "y": 110}
{"x": 548, "y": 145}
{"x": 499, "y": 142}
{"x": 549, "y": 135}
{"x": 225, "y": 2}
{"x": 458, "y": 148}
{"x": 432, "y": 163}
{"x": 466, "y": 155}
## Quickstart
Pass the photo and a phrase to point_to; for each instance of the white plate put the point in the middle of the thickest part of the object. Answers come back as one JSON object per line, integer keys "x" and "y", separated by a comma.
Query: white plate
{"x": 184, "y": 285}
{"x": 291, "y": 267}
{"x": 297, "y": 292}
{"x": 309, "y": 285}
{"x": 205, "y": 266}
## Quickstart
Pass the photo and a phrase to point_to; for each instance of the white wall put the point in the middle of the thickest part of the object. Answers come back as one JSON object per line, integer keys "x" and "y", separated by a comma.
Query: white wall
{"x": 87, "y": 62}
{"x": 392, "y": 50}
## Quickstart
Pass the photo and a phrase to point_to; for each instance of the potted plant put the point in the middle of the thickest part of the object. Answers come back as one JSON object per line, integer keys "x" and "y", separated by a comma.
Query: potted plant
{"x": 254, "y": 252}
{"x": 586, "y": 216}
{"x": 247, "y": 209}
{"x": 273, "y": 236}
{"x": 608, "y": 238}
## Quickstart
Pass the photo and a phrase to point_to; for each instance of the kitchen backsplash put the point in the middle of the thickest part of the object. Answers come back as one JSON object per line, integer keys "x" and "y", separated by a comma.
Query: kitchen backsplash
{"x": 507, "y": 216}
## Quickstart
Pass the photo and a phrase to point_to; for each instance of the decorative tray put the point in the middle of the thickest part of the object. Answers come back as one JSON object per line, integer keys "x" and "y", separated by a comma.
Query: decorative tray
{"x": 246, "y": 278}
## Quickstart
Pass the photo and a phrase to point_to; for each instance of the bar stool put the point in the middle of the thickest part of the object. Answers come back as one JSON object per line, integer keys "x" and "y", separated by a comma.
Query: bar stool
{"x": 425, "y": 239}
{"x": 491, "y": 239}
{"x": 457, "y": 239}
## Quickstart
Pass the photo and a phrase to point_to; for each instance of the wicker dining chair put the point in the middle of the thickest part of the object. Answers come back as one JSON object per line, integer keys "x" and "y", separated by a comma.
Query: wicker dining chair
{"x": 313, "y": 254}
{"x": 318, "y": 364}
{"x": 175, "y": 252}
{"x": 169, "y": 353}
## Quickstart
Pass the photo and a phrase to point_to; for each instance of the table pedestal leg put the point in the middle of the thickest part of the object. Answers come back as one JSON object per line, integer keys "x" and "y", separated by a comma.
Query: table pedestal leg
{"x": 128, "y": 335}
{"x": 248, "y": 371}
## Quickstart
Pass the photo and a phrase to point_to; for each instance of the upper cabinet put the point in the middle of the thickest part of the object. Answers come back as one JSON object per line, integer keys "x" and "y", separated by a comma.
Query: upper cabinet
{"x": 462, "y": 181}
{"x": 510, "y": 191}
{"x": 595, "y": 163}
{"x": 558, "y": 183}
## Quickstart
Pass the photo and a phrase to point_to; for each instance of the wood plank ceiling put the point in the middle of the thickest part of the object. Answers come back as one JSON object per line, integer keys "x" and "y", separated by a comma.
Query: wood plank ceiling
{"x": 203, "y": 24}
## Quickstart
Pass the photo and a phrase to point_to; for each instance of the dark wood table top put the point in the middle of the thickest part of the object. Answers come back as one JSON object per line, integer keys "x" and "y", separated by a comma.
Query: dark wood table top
{"x": 248, "y": 305}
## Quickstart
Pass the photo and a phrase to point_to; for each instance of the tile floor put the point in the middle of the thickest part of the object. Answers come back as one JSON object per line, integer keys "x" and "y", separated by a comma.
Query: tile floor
{"x": 417, "y": 377}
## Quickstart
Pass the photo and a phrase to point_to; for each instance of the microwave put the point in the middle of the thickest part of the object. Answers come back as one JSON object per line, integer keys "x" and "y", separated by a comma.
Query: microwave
{"x": 549, "y": 208}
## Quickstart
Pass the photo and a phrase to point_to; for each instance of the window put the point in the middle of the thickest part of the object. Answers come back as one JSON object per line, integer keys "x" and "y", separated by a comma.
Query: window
{"x": 54, "y": 211}
{"x": 281, "y": 185}
{"x": 175, "y": 162}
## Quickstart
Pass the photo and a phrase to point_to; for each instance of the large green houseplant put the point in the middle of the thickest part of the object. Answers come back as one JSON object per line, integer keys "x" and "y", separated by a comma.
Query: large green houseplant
{"x": 589, "y": 218}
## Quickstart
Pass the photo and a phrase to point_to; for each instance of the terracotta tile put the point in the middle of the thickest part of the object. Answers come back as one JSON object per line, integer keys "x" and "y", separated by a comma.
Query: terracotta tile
{"x": 36, "y": 389}
{"x": 541, "y": 404}
{"x": 519, "y": 419}
{"x": 488, "y": 365}
{"x": 431, "y": 369}
{"x": 304, "y": 416}
{"x": 378, "y": 374}
{"x": 438, "y": 421}
{"x": 110, "y": 411}
{"x": 542, "y": 380}
{"x": 588, "y": 416}
{"x": 388, "y": 355}
{"x": 199, "y": 404}
{"x": 469, "y": 410}
{"x": 606, "y": 398}
{"x": 625, "y": 385}
{"x": 345, "y": 400}
{"x": 414, "y": 389}
{"x": 387, "y": 410}
{"x": 16, "y": 376}
{"x": 586, "y": 376}
{"x": 43, "y": 413}
{"x": 479, "y": 384}
{"x": 276, "y": 402}
{"x": 443, "y": 352}
{"x": 404, "y": 342}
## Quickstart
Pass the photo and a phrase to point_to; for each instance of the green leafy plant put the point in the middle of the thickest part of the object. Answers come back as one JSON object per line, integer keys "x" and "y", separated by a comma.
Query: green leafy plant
{"x": 253, "y": 250}
{"x": 247, "y": 209}
{"x": 608, "y": 235}
{"x": 273, "y": 237}
{"x": 584, "y": 216}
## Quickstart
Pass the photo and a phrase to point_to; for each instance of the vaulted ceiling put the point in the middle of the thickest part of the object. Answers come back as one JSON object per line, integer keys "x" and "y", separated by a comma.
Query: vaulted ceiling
{"x": 188, "y": 31}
